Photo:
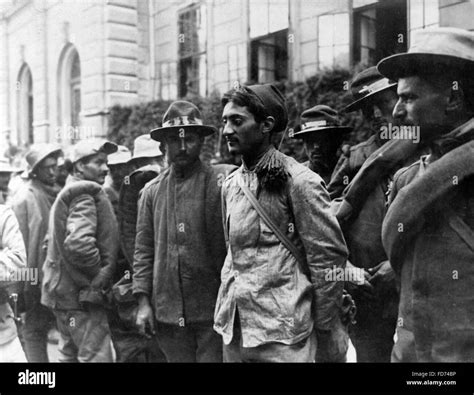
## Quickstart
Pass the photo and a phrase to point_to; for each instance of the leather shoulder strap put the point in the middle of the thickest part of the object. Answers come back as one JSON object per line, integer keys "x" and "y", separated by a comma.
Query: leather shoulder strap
{"x": 268, "y": 221}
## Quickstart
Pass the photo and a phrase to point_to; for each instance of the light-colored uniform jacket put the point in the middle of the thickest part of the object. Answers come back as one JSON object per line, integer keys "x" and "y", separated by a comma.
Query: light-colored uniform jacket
{"x": 12, "y": 258}
{"x": 278, "y": 300}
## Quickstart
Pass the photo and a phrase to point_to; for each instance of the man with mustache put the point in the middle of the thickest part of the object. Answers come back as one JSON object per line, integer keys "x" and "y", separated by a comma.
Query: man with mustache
{"x": 275, "y": 301}
{"x": 83, "y": 243}
{"x": 362, "y": 179}
{"x": 32, "y": 204}
{"x": 180, "y": 247}
{"x": 428, "y": 231}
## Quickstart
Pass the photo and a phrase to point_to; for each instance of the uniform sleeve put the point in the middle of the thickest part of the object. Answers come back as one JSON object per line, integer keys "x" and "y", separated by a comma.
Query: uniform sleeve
{"x": 144, "y": 246}
{"x": 340, "y": 177}
{"x": 396, "y": 184}
{"x": 80, "y": 243}
{"x": 324, "y": 246}
{"x": 12, "y": 247}
{"x": 20, "y": 208}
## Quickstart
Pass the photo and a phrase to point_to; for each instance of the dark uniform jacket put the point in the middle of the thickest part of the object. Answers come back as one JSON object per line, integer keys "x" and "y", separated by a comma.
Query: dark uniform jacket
{"x": 180, "y": 247}
{"x": 349, "y": 164}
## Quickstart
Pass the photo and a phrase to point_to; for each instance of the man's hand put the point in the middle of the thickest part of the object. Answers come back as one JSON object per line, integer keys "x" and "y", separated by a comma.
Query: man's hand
{"x": 145, "y": 318}
{"x": 382, "y": 275}
{"x": 360, "y": 285}
{"x": 101, "y": 281}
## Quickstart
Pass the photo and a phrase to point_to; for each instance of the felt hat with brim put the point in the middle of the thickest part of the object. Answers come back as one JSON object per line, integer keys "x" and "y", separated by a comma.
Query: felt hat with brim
{"x": 182, "y": 115}
{"x": 39, "y": 152}
{"x": 145, "y": 147}
{"x": 365, "y": 85}
{"x": 434, "y": 50}
{"x": 5, "y": 166}
{"x": 119, "y": 157}
{"x": 89, "y": 147}
{"x": 319, "y": 119}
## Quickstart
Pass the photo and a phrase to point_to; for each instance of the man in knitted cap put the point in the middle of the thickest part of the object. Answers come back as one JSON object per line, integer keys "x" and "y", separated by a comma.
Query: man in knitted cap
{"x": 82, "y": 253}
{"x": 274, "y": 300}
{"x": 32, "y": 204}
{"x": 428, "y": 231}
{"x": 180, "y": 248}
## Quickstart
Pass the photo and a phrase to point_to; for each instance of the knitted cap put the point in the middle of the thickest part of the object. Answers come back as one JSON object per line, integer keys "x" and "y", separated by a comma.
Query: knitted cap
{"x": 274, "y": 103}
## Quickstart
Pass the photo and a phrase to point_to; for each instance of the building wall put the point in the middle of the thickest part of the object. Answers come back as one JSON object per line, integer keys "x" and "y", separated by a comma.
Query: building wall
{"x": 304, "y": 25}
{"x": 227, "y": 43}
{"x": 112, "y": 39}
{"x": 128, "y": 50}
{"x": 457, "y": 13}
{"x": 228, "y": 38}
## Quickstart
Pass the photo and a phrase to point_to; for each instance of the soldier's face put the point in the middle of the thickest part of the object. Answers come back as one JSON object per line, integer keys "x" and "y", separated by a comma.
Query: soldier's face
{"x": 421, "y": 104}
{"x": 95, "y": 169}
{"x": 243, "y": 133}
{"x": 61, "y": 175}
{"x": 183, "y": 148}
{"x": 321, "y": 149}
{"x": 378, "y": 110}
{"x": 47, "y": 170}
{"x": 118, "y": 172}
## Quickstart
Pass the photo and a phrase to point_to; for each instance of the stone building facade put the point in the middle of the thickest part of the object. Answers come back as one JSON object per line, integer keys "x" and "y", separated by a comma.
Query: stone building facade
{"x": 64, "y": 63}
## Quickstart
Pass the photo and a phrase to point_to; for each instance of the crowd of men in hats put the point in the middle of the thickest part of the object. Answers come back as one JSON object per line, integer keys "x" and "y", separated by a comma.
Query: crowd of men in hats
{"x": 143, "y": 259}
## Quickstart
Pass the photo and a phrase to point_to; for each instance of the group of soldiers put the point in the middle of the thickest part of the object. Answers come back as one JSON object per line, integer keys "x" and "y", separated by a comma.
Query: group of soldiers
{"x": 143, "y": 259}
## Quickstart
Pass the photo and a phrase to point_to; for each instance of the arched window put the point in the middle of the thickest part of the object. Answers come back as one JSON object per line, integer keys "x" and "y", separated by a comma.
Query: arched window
{"x": 75, "y": 86}
{"x": 24, "y": 87}
{"x": 69, "y": 92}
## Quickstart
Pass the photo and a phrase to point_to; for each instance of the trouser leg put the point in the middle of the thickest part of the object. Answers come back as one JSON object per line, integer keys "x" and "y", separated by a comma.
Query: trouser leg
{"x": 404, "y": 347}
{"x": 209, "y": 343}
{"x": 85, "y": 336}
{"x": 38, "y": 321}
{"x": 66, "y": 347}
{"x": 177, "y": 343}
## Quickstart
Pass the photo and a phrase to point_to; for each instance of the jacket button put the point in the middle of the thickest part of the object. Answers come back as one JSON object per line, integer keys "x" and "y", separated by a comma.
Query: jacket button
{"x": 236, "y": 274}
